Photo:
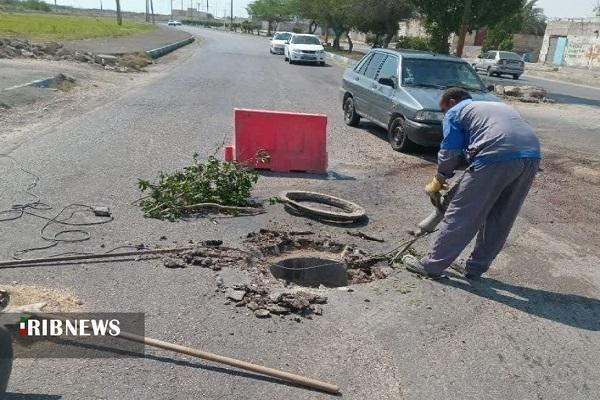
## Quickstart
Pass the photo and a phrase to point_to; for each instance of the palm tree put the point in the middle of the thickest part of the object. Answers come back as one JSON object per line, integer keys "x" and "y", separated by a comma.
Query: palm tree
{"x": 533, "y": 20}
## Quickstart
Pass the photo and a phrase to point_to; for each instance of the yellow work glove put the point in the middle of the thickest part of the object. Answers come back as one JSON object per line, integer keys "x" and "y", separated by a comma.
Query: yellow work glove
{"x": 434, "y": 187}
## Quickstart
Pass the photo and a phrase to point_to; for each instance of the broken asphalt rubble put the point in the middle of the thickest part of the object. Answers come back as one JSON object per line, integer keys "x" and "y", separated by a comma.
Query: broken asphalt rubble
{"x": 245, "y": 278}
{"x": 524, "y": 94}
{"x": 19, "y": 48}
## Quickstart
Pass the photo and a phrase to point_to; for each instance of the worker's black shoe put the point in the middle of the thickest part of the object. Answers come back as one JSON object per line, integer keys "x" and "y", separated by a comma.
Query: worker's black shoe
{"x": 412, "y": 264}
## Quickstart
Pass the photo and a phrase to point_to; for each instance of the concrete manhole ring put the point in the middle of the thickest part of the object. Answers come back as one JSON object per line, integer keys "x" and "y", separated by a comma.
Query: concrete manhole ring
{"x": 349, "y": 212}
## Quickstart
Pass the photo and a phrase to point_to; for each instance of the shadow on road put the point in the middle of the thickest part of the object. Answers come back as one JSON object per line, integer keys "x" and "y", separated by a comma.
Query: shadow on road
{"x": 567, "y": 99}
{"x": 28, "y": 396}
{"x": 424, "y": 153}
{"x": 568, "y": 309}
{"x": 182, "y": 363}
{"x": 330, "y": 176}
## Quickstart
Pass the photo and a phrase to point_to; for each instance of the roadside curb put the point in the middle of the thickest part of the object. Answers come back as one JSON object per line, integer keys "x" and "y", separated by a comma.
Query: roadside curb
{"x": 161, "y": 51}
{"x": 341, "y": 59}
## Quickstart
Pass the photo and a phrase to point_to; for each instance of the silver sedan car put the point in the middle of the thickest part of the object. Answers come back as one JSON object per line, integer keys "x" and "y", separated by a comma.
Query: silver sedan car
{"x": 496, "y": 63}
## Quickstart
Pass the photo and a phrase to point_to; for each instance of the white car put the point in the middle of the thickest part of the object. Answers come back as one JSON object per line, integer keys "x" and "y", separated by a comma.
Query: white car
{"x": 304, "y": 48}
{"x": 174, "y": 23}
{"x": 278, "y": 42}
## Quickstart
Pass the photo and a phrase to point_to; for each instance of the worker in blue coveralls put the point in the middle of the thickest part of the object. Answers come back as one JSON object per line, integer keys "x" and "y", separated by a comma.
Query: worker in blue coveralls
{"x": 503, "y": 155}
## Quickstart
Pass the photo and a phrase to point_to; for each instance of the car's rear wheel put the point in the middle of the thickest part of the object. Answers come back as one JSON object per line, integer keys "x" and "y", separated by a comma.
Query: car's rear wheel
{"x": 398, "y": 137}
{"x": 351, "y": 117}
{"x": 322, "y": 63}
{"x": 515, "y": 76}
{"x": 489, "y": 71}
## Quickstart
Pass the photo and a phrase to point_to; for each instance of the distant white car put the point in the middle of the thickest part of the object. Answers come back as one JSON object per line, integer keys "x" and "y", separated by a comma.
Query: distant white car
{"x": 173, "y": 23}
{"x": 304, "y": 48}
{"x": 278, "y": 42}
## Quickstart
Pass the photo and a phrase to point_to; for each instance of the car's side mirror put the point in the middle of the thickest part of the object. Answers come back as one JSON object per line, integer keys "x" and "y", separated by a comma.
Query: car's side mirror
{"x": 491, "y": 88}
{"x": 387, "y": 82}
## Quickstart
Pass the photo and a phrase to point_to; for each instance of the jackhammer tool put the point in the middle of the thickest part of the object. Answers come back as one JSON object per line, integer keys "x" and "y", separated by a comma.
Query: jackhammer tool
{"x": 427, "y": 225}
{"x": 441, "y": 204}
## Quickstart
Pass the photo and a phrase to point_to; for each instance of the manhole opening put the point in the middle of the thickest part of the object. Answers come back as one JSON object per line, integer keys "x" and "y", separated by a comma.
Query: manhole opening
{"x": 311, "y": 271}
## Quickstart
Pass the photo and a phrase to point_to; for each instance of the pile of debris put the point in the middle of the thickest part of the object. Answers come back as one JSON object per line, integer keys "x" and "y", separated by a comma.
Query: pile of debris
{"x": 19, "y": 48}
{"x": 213, "y": 257}
{"x": 524, "y": 94}
{"x": 263, "y": 303}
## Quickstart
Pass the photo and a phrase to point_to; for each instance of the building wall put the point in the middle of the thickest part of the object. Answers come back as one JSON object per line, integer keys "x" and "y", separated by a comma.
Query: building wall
{"x": 411, "y": 28}
{"x": 192, "y": 13}
{"x": 531, "y": 44}
{"x": 583, "y": 42}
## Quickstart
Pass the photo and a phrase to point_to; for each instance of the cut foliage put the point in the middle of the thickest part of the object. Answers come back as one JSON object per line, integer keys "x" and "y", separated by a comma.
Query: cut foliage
{"x": 217, "y": 185}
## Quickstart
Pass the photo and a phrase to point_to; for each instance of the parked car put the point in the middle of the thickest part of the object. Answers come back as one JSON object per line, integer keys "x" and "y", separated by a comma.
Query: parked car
{"x": 173, "y": 23}
{"x": 277, "y": 45}
{"x": 496, "y": 62}
{"x": 304, "y": 48}
{"x": 400, "y": 91}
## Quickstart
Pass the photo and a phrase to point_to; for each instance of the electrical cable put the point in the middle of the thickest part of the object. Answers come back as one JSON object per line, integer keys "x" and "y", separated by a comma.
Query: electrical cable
{"x": 17, "y": 211}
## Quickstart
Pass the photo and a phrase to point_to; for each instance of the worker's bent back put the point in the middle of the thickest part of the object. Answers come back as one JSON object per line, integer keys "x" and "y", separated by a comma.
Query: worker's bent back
{"x": 497, "y": 133}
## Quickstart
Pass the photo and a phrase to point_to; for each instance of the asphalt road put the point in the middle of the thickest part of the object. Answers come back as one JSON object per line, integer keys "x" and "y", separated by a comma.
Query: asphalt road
{"x": 529, "y": 331}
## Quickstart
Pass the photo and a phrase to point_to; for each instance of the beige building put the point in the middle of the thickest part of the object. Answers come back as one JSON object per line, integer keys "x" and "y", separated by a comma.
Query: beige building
{"x": 572, "y": 42}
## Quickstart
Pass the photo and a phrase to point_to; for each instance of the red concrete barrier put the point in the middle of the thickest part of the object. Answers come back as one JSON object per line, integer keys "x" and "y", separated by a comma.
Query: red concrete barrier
{"x": 279, "y": 141}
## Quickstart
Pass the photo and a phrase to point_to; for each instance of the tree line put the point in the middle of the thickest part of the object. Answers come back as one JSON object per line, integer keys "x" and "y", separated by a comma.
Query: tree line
{"x": 380, "y": 18}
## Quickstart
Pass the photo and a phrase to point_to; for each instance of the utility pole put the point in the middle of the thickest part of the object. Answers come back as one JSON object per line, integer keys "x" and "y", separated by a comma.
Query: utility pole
{"x": 231, "y": 16}
{"x": 147, "y": 11}
{"x": 101, "y": 8}
{"x": 171, "y": 9}
{"x": 152, "y": 10}
{"x": 119, "y": 17}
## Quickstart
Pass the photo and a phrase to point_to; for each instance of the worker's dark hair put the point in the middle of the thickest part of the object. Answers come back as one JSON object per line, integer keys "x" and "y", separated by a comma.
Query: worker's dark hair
{"x": 454, "y": 93}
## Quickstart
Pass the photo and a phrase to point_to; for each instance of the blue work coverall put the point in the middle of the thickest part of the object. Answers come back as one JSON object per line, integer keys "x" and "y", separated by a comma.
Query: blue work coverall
{"x": 503, "y": 155}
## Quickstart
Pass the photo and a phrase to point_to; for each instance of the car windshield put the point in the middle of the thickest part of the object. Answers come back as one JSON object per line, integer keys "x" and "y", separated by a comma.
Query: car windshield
{"x": 507, "y": 55}
{"x": 439, "y": 74}
{"x": 282, "y": 36}
{"x": 305, "y": 40}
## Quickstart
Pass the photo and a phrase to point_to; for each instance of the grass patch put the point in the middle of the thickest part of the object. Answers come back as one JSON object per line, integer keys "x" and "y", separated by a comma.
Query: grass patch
{"x": 66, "y": 27}
{"x": 355, "y": 55}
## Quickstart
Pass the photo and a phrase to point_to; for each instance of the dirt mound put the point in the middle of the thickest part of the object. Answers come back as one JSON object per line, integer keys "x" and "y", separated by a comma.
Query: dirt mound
{"x": 19, "y": 48}
{"x": 56, "y": 300}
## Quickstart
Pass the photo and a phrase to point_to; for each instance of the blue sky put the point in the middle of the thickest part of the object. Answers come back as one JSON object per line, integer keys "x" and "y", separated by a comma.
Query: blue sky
{"x": 161, "y": 6}
{"x": 552, "y": 8}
